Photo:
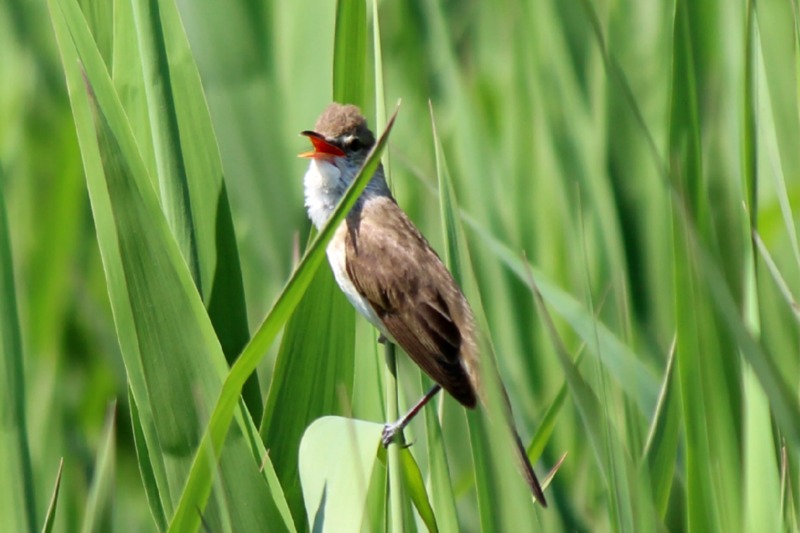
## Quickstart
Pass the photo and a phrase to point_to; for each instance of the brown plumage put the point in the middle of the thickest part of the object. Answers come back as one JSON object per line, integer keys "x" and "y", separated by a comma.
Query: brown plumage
{"x": 395, "y": 269}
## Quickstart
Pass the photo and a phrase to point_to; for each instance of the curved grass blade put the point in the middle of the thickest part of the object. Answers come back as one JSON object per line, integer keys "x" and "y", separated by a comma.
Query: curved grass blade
{"x": 546, "y": 427}
{"x": 415, "y": 488}
{"x": 98, "y": 514}
{"x": 663, "y": 438}
{"x": 413, "y": 485}
{"x": 50, "y": 517}
{"x": 631, "y": 504}
{"x": 439, "y": 476}
{"x": 197, "y": 488}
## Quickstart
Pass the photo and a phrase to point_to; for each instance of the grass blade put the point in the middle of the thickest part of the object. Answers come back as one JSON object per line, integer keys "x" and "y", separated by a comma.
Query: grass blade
{"x": 709, "y": 420}
{"x": 146, "y": 467}
{"x": 544, "y": 431}
{"x": 630, "y": 505}
{"x": 50, "y": 516}
{"x": 415, "y": 488}
{"x": 439, "y": 476}
{"x": 663, "y": 438}
{"x": 350, "y": 52}
{"x": 17, "y": 505}
{"x": 170, "y": 170}
{"x": 98, "y": 516}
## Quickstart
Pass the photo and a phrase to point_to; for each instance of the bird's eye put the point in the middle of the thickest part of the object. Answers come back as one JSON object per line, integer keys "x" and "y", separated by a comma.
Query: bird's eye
{"x": 354, "y": 144}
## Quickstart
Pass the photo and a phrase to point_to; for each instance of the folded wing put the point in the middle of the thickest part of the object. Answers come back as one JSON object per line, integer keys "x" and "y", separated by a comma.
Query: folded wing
{"x": 395, "y": 269}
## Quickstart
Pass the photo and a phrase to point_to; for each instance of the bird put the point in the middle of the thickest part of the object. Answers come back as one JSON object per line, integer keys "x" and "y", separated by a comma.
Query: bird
{"x": 390, "y": 273}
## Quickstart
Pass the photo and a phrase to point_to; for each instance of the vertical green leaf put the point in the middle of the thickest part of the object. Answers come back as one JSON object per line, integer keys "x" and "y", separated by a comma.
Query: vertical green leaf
{"x": 17, "y": 505}
{"x": 170, "y": 168}
{"x": 189, "y": 174}
{"x": 761, "y": 471}
{"x": 709, "y": 410}
{"x": 439, "y": 477}
{"x": 350, "y": 52}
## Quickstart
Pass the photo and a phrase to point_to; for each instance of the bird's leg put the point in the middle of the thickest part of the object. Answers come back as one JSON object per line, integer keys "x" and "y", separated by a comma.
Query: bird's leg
{"x": 382, "y": 339}
{"x": 390, "y": 430}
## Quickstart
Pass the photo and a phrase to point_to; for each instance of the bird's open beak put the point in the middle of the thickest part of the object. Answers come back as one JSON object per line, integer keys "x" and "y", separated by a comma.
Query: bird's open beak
{"x": 322, "y": 148}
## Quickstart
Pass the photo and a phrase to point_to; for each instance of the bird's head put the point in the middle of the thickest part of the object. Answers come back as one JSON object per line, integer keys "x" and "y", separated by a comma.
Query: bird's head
{"x": 340, "y": 138}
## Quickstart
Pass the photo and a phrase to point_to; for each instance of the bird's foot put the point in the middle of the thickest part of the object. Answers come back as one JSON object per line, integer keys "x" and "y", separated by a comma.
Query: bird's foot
{"x": 382, "y": 339}
{"x": 390, "y": 431}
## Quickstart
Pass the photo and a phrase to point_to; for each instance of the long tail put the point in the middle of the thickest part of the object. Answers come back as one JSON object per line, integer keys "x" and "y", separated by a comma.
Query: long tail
{"x": 527, "y": 470}
{"x": 470, "y": 365}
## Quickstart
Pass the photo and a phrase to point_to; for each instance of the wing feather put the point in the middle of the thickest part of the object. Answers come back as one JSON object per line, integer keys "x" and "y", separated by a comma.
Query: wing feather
{"x": 394, "y": 268}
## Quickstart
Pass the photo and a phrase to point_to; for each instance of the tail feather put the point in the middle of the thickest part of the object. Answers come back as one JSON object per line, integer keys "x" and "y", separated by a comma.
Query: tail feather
{"x": 527, "y": 470}
{"x": 523, "y": 462}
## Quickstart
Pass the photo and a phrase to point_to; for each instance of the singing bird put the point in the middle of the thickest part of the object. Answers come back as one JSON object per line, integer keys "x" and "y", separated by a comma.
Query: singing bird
{"x": 390, "y": 273}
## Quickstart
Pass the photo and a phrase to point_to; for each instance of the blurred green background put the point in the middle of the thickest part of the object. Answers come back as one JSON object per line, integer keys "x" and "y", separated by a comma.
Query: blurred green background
{"x": 628, "y": 149}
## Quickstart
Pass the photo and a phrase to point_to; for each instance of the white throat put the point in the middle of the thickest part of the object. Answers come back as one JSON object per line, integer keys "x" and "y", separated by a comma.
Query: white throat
{"x": 323, "y": 186}
{"x": 325, "y": 183}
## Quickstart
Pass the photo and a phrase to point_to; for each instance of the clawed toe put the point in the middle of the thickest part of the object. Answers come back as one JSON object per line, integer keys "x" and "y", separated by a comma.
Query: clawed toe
{"x": 388, "y": 434}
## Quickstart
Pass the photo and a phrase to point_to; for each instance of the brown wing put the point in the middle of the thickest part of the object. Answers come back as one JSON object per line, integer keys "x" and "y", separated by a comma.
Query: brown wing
{"x": 394, "y": 268}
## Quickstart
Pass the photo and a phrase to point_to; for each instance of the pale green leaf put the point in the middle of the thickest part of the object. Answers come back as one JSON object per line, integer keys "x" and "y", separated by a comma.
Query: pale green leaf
{"x": 336, "y": 458}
